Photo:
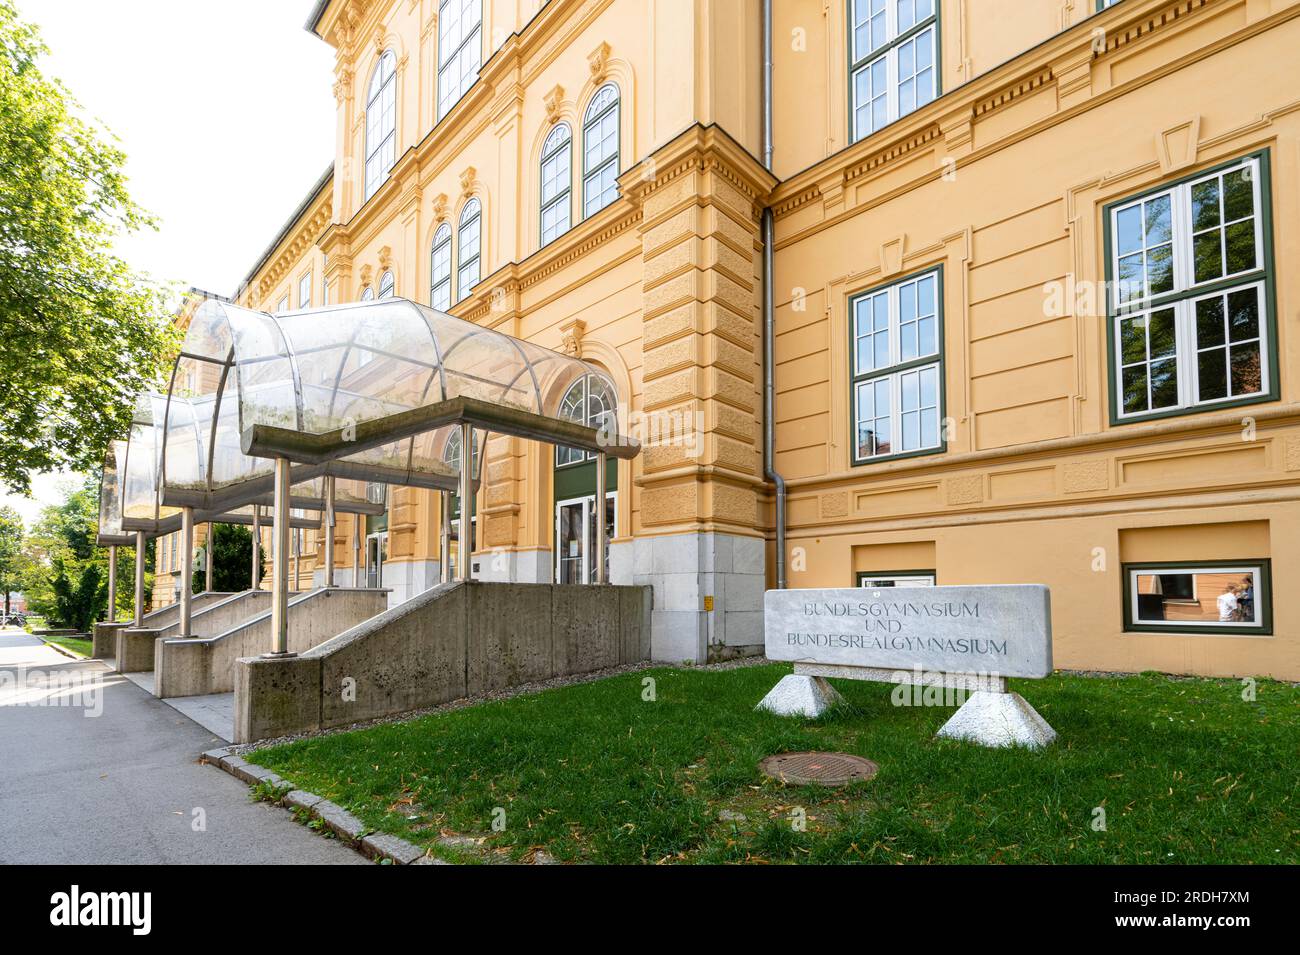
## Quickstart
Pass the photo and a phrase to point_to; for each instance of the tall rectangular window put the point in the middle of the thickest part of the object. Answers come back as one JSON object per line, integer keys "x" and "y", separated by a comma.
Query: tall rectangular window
{"x": 897, "y": 364}
{"x": 304, "y": 291}
{"x": 460, "y": 50}
{"x": 895, "y": 60}
{"x": 1190, "y": 272}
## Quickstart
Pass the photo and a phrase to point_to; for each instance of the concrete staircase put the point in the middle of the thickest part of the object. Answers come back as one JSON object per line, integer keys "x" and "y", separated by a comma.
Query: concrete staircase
{"x": 203, "y": 664}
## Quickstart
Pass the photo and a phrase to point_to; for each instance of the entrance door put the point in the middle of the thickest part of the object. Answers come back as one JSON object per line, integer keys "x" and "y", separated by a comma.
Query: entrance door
{"x": 376, "y": 554}
{"x": 575, "y": 538}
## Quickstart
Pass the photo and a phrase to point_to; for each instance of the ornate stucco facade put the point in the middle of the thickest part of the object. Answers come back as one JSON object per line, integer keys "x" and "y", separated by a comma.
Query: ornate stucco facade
{"x": 981, "y": 159}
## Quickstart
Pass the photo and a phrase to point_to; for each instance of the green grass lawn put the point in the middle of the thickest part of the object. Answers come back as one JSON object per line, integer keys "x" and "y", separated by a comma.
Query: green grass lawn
{"x": 76, "y": 645}
{"x": 1186, "y": 771}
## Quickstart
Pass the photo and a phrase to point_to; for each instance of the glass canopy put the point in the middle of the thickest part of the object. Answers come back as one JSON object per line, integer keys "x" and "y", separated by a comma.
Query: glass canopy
{"x": 368, "y": 390}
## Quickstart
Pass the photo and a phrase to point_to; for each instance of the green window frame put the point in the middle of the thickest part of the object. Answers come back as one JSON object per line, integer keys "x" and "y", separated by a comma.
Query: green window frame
{"x": 1249, "y": 612}
{"x": 1191, "y": 322}
{"x": 894, "y": 54}
{"x": 896, "y": 369}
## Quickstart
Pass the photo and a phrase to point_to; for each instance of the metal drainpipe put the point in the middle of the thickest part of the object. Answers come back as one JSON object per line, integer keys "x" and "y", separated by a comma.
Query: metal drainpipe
{"x": 769, "y": 314}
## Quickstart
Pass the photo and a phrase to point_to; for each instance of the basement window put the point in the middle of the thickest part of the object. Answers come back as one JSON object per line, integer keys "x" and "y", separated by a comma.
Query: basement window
{"x": 1221, "y": 597}
{"x": 896, "y": 578}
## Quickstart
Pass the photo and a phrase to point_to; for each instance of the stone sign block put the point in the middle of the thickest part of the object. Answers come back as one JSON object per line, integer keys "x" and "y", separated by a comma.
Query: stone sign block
{"x": 996, "y": 629}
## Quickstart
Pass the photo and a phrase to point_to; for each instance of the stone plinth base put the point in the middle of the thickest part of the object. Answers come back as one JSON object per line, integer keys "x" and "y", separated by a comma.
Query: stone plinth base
{"x": 998, "y": 719}
{"x": 797, "y": 695}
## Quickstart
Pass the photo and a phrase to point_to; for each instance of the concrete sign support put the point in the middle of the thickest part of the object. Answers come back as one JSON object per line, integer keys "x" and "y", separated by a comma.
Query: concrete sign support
{"x": 112, "y": 583}
{"x": 964, "y": 641}
{"x": 329, "y": 531}
{"x": 187, "y": 569}
{"x": 280, "y": 561}
{"x": 139, "y": 579}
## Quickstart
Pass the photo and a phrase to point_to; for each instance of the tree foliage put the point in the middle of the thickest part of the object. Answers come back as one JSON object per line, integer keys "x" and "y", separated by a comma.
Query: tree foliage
{"x": 82, "y": 334}
{"x": 232, "y": 559}
{"x": 11, "y": 553}
{"x": 66, "y": 574}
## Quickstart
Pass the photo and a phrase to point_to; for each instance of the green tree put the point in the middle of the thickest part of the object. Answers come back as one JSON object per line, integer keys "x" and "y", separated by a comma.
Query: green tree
{"x": 82, "y": 334}
{"x": 11, "y": 553}
{"x": 232, "y": 559}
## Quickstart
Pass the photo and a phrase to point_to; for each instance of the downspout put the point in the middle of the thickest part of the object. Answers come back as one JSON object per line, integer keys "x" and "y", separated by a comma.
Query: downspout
{"x": 769, "y": 314}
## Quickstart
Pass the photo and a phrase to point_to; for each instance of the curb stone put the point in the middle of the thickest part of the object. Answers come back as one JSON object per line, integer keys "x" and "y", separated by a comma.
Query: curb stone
{"x": 350, "y": 829}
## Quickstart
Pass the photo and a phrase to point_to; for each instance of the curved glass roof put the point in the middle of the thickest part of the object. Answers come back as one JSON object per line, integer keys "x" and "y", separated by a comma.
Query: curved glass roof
{"x": 370, "y": 393}
{"x": 371, "y": 387}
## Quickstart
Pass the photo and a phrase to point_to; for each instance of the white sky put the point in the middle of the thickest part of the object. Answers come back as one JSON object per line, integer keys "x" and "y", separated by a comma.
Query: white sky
{"x": 225, "y": 111}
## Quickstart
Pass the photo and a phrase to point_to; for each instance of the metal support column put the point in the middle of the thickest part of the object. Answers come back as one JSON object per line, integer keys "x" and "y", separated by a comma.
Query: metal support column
{"x": 357, "y": 580}
{"x": 465, "y": 545}
{"x": 280, "y": 561}
{"x": 112, "y": 583}
{"x": 187, "y": 569}
{"x": 139, "y": 578}
{"x": 207, "y": 563}
{"x": 256, "y": 576}
{"x": 297, "y": 562}
{"x": 444, "y": 547}
{"x": 329, "y": 531}
{"x": 599, "y": 517}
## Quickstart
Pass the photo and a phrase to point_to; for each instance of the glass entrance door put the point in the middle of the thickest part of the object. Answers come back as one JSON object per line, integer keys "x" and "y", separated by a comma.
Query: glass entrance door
{"x": 575, "y": 538}
{"x": 376, "y": 554}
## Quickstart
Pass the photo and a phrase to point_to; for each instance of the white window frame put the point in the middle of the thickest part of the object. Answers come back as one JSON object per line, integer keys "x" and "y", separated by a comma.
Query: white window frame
{"x": 381, "y": 127}
{"x": 387, "y": 284}
{"x": 897, "y": 368}
{"x": 1186, "y": 293}
{"x": 440, "y": 283}
{"x": 566, "y": 456}
{"x": 304, "y": 291}
{"x": 283, "y": 304}
{"x": 471, "y": 217}
{"x": 458, "y": 67}
{"x": 1255, "y": 570}
{"x": 888, "y": 51}
{"x": 559, "y": 152}
{"x": 592, "y": 121}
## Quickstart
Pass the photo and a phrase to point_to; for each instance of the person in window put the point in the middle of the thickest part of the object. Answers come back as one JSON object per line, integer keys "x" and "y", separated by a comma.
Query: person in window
{"x": 1228, "y": 604}
{"x": 1246, "y": 600}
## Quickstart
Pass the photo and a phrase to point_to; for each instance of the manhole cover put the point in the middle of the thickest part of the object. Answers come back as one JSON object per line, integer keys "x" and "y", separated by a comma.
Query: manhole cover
{"x": 821, "y": 769}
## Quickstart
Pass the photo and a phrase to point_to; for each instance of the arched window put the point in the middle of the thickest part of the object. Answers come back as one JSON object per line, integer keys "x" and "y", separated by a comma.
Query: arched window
{"x": 387, "y": 284}
{"x": 460, "y": 49}
{"x": 557, "y": 178}
{"x": 440, "y": 272}
{"x": 368, "y": 294}
{"x": 381, "y": 122}
{"x": 588, "y": 401}
{"x": 600, "y": 151}
{"x": 467, "y": 249}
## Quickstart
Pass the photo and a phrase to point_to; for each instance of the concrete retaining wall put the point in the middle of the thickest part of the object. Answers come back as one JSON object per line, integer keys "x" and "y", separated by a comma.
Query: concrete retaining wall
{"x": 210, "y": 614}
{"x": 190, "y": 667}
{"x": 452, "y": 641}
{"x": 104, "y": 640}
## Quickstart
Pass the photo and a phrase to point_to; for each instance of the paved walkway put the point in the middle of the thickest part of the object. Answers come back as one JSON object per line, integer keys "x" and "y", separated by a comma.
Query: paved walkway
{"x": 95, "y": 770}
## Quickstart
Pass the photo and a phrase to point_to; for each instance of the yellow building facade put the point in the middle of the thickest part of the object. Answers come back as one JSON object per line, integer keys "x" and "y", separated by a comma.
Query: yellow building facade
{"x": 1032, "y": 320}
